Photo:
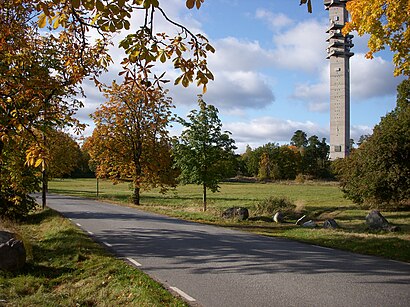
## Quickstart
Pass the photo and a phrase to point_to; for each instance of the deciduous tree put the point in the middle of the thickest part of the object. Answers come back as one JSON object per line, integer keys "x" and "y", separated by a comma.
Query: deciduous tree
{"x": 40, "y": 77}
{"x": 131, "y": 141}
{"x": 204, "y": 152}
{"x": 388, "y": 23}
{"x": 377, "y": 174}
{"x": 64, "y": 154}
{"x": 299, "y": 139}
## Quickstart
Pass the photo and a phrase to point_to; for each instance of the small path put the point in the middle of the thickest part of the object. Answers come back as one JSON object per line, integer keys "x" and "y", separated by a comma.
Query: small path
{"x": 214, "y": 266}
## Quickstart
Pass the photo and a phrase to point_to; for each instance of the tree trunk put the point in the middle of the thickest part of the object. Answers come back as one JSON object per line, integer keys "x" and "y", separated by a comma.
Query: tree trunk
{"x": 204, "y": 196}
{"x": 44, "y": 188}
{"x": 98, "y": 187}
{"x": 136, "y": 196}
{"x": 1, "y": 164}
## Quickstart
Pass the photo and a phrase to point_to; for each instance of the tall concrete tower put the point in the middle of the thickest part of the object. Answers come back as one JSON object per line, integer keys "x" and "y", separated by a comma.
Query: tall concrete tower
{"x": 339, "y": 54}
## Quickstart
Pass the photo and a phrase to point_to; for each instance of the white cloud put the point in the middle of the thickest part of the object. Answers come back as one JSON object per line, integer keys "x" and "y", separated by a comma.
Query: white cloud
{"x": 234, "y": 54}
{"x": 369, "y": 79}
{"x": 275, "y": 21}
{"x": 316, "y": 95}
{"x": 238, "y": 85}
{"x": 302, "y": 47}
{"x": 262, "y": 130}
{"x": 358, "y": 130}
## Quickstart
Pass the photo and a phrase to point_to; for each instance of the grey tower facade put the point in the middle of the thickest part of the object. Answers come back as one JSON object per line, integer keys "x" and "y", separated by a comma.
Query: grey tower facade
{"x": 339, "y": 54}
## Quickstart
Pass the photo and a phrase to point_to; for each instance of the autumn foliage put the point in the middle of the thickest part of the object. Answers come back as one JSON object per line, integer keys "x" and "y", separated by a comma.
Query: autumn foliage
{"x": 388, "y": 23}
{"x": 130, "y": 141}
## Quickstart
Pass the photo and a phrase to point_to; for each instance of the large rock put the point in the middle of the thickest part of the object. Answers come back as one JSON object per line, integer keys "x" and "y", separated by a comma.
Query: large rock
{"x": 330, "y": 224}
{"x": 376, "y": 221}
{"x": 309, "y": 224}
{"x": 278, "y": 217}
{"x": 12, "y": 252}
{"x": 239, "y": 213}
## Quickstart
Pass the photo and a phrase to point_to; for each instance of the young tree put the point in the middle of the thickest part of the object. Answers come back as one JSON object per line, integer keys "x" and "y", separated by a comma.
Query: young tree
{"x": 130, "y": 141}
{"x": 204, "y": 152}
{"x": 378, "y": 172}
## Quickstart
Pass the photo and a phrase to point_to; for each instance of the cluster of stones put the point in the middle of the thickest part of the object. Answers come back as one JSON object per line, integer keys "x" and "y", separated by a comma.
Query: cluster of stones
{"x": 374, "y": 220}
{"x": 305, "y": 222}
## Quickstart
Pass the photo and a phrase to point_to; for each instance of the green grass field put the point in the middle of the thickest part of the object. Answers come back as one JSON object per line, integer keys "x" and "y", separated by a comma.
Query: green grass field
{"x": 317, "y": 200}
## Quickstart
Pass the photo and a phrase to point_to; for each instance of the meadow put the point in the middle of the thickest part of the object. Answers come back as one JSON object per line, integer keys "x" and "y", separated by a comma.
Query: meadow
{"x": 318, "y": 200}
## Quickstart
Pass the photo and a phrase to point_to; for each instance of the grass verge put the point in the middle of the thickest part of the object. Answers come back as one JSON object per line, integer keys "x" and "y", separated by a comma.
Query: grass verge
{"x": 319, "y": 201}
{"x": 66, "y": 268}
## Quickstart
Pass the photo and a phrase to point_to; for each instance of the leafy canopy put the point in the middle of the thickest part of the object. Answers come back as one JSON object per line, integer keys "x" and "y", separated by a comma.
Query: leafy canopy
{"x": 388, "y": 23}
{"x": 40, "y": 77}
{"x": 130, "y": 141}
{"x": 377, "y": 174}
{"x": 204, "y": 152}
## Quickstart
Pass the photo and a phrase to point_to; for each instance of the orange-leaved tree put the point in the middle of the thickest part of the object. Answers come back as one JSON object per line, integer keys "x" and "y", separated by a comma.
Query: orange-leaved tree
{"x": 131, "y": 141}
{"x": 64, "y": 154}
{"x": 40, "y": 78}
{"x": 388, "y": 23}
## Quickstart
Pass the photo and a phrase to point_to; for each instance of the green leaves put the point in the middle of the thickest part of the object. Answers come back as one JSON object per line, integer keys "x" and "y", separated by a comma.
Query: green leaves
{"x": 204, "y": 152}
{"x": 377, "y": 173}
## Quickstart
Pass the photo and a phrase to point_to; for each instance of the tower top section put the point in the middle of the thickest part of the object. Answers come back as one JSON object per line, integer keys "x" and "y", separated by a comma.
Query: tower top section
{"x": 328, "y": 3}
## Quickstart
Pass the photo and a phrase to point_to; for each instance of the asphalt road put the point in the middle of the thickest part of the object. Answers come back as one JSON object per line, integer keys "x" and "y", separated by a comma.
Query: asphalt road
{"x": 214, "y": 266}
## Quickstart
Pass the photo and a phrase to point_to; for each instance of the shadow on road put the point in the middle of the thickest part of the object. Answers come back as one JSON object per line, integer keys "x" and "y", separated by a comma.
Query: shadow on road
{"x": 209, "y": 249}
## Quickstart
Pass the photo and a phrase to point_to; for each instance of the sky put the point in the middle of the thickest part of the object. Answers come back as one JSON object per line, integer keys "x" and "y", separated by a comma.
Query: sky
{"x": 271, "y": 72}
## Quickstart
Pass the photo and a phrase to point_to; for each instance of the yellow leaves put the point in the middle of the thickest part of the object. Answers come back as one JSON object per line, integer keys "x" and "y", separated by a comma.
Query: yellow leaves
{"x": 35, "y": 156}
{"x": 387, "y": 23}
{"x": 42, "y": 20}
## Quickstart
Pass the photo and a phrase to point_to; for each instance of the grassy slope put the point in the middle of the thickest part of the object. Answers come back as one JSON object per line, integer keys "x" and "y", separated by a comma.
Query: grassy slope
{"x": 66, "y": 268}
{"x": 318, "y": 200}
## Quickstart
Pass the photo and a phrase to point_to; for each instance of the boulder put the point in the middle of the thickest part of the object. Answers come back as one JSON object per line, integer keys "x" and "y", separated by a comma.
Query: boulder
{"x": 12, "y": 252}
{"x": 330, "y": 224}
{"x": 376, "y": 221}
{"x": 278, "y": 217}
{"x": 309, "y": 224}
{"x": 239, "y": 213}
{"x": 301, "y": 220}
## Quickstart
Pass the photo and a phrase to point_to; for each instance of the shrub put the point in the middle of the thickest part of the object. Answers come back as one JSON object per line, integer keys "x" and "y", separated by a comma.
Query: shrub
{"x": 377, "y": 174}
{"x": 15, "y": 205}
{"x": 273, "y": 204}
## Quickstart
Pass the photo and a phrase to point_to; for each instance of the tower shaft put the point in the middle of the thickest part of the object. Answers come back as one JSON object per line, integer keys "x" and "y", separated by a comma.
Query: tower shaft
{"x": 339, "y": 55}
